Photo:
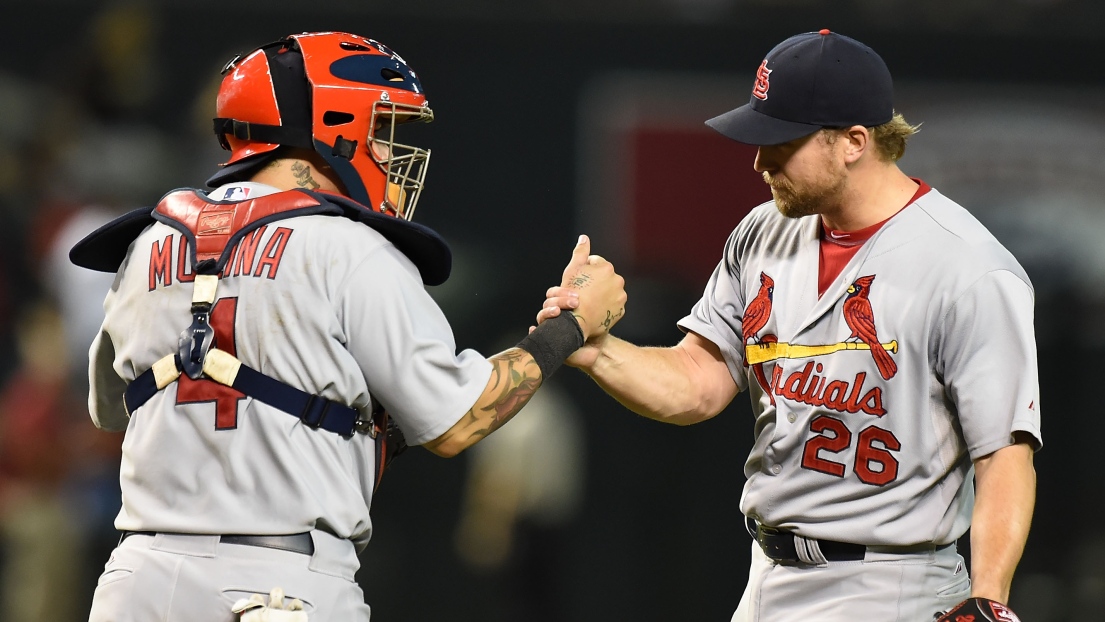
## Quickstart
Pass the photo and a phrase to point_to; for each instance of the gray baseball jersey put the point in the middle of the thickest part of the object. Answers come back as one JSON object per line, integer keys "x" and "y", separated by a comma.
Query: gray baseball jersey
{"x": 321, "y": 303}
{"x": 872, "y": 401}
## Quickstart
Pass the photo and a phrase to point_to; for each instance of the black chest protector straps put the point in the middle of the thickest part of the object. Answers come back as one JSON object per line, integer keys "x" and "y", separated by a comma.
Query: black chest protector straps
{"x": 213, "y": 229}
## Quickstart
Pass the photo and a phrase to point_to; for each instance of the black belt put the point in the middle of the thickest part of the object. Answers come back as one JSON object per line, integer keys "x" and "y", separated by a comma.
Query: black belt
{"x": 778, "y": 544}
{"x": 295, "y": 543}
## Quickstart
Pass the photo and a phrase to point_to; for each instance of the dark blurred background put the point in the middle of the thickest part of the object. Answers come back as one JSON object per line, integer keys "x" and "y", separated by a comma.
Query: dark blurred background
{"x": 553, "y": 119}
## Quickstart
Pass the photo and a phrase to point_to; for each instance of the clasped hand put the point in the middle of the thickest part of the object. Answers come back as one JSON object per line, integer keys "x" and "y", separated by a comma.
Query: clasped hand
{"x": 592, "y": 291}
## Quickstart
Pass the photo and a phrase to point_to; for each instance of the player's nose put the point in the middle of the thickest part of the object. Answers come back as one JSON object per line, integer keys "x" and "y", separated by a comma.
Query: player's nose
{"x": 763, "y": 162}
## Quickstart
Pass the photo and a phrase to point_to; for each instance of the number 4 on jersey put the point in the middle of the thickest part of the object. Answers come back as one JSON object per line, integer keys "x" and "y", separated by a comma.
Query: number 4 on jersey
{"x": 196, "y": 391}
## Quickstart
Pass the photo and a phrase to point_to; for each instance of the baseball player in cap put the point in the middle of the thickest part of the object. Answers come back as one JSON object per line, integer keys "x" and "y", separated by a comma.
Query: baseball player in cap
{"x": 269, "y": 344}
{"x": 885, "y": 339}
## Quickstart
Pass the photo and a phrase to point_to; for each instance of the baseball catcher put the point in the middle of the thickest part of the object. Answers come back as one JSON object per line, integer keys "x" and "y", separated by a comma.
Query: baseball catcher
{"x": 269, "y": 344}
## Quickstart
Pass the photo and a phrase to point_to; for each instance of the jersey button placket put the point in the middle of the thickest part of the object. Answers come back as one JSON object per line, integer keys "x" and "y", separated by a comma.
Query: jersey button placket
{"x": 776, "y": 469}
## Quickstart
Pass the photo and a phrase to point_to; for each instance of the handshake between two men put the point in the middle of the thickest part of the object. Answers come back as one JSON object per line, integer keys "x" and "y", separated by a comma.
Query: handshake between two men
{"x": 594, "y": 294}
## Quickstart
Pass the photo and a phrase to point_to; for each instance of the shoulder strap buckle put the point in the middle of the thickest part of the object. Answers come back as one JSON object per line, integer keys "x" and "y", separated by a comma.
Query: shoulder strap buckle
{"x": 195, "y": 341}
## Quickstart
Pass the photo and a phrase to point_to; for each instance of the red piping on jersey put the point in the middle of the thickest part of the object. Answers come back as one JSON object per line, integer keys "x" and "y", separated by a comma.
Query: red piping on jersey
{"x": 838, "y": 247}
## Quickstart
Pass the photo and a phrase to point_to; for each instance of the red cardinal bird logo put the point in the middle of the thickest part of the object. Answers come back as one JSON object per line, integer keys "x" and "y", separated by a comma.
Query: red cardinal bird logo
{"x": 860, "y": 318}
{"x": 759, "y": 310}
{"x": 756, "y": 315}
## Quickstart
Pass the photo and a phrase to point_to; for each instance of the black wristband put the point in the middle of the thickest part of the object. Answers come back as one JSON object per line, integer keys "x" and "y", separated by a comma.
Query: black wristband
{"x": 552, "y": 342}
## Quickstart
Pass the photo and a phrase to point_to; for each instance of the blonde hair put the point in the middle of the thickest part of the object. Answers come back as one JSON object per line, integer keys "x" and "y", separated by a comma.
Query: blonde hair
{"x": 889, "y": 138}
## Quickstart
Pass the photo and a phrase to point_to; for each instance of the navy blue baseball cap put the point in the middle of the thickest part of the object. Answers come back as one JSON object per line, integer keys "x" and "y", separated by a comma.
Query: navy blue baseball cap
{"x": 810, "y": 81}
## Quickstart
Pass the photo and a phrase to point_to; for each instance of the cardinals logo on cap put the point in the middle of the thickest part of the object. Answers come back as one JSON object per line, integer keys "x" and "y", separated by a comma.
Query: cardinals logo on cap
{"x": 759, "y": 91}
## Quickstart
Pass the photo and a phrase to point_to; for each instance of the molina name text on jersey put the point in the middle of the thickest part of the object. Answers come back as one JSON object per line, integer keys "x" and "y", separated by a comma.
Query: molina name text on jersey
{"x": 170, "y": 256}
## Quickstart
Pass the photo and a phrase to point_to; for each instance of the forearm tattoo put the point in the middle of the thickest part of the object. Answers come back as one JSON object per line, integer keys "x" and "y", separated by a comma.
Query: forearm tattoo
{"x": 303, "y": 177}
{"x": 514, "y": 379}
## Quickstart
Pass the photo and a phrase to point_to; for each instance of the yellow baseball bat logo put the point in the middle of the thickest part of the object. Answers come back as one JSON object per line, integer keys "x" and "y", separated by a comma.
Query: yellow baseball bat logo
{"x": 770, "y": 351}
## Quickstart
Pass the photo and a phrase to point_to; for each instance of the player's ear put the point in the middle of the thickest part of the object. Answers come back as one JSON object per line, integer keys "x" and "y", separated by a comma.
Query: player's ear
{"x": 855, "y": 141}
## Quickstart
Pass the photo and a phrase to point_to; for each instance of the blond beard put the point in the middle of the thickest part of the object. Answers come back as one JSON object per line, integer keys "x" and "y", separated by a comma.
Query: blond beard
{"x": 817, "y": 198}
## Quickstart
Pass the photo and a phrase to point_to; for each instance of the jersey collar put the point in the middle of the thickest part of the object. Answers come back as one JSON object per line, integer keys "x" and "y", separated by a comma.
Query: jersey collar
{"x": 855, "y": 238}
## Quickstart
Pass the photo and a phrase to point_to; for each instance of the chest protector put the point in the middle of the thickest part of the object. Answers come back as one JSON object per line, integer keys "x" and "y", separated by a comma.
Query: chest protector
{"x": 213, "y": 229}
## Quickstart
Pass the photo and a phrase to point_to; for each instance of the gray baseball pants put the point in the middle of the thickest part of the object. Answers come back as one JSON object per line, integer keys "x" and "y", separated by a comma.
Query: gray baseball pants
{"x": 197, "y": 578}
{"x": 884, "y": 587}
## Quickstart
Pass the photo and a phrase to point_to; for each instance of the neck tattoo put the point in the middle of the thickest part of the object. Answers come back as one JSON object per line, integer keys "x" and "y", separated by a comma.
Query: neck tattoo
{"x": 303, "y": 176}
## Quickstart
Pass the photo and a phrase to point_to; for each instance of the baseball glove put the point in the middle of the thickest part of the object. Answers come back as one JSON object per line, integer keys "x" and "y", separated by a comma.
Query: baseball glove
{"x": 390, "y": 441}
{"x": 255, "y": 610}
{"x": 979, "y": 610}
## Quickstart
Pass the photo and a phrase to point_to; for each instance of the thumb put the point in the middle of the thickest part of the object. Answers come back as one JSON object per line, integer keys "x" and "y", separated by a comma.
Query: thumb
{"x": 581, "y": 252}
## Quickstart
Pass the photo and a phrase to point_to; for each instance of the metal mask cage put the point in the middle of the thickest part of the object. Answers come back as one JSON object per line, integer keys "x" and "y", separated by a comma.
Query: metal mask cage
{"x": 406, "y": 165}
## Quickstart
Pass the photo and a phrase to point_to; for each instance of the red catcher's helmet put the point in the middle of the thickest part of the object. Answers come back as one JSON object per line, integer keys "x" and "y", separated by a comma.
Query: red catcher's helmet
{"x": 339, "y": 94}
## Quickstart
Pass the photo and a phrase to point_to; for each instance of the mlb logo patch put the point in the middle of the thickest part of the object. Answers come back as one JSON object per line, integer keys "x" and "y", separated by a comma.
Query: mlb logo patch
{"x": 236, "y": 193}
